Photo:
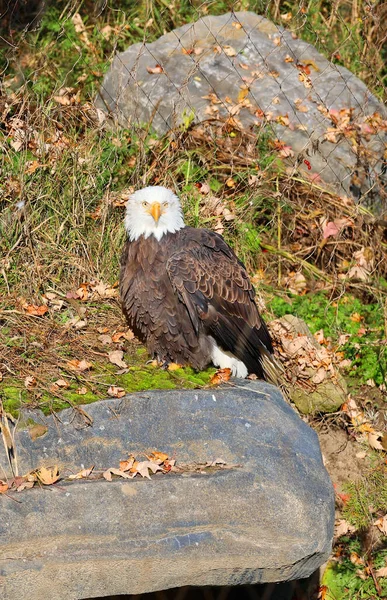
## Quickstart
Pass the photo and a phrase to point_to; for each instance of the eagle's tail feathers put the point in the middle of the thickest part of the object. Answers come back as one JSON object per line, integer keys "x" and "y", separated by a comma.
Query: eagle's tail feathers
{"x": 272, "y": 368}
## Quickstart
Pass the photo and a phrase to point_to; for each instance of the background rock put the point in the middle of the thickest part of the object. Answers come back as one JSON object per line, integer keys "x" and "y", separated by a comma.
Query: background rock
{"x": 260, "y": 73}
{"x": 270, "y": 519}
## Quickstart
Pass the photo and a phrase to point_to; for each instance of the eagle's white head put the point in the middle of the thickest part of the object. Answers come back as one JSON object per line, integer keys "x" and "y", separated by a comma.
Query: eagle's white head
{"x": 154, "y": 210}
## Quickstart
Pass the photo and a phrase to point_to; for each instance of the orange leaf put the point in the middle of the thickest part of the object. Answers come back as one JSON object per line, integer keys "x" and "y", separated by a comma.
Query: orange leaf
{"x": 3, "y": 487}
{"x": 126, "y": 465}
{"x": 155, "y": 455}
{"x": 220, "y": 376}
{"x": 174, "y": 366}
{"x": 356, "y": 317}
{"x": 37, "y": 311}
{"x": 155, "y": 70}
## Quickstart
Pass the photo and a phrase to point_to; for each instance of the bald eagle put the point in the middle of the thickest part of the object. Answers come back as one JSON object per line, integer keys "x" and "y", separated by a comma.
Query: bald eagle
{"x": 184, "y": 292}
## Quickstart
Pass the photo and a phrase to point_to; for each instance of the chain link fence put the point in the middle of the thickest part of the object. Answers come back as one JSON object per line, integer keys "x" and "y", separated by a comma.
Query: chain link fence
{"x": 267, "y": 117}
{"x": 268, "y": 106}
{"x": 264, "y": 103}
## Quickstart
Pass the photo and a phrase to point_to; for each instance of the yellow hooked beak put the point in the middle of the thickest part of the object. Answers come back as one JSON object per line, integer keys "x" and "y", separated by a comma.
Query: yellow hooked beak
{"x": 155, "y": 211}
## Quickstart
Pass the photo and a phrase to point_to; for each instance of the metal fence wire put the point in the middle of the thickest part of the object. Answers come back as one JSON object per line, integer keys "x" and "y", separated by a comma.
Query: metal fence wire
{"x": 247, "y": 72}
{"x": 239, "y": 83}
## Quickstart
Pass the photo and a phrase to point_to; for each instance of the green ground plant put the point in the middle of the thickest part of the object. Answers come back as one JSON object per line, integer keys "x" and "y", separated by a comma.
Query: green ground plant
{"x": 342, "y": 579}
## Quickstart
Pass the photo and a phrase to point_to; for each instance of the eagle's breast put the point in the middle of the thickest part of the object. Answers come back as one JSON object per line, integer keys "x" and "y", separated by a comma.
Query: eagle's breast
{"x": 151, "y": 305}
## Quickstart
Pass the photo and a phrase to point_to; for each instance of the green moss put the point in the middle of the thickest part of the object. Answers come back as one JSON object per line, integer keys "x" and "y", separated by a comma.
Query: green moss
{"x": 12, "y": 398}
{"x": 141, "y": 351}
{"x": 75, "y": 398}
{"x": 150, "y": 378}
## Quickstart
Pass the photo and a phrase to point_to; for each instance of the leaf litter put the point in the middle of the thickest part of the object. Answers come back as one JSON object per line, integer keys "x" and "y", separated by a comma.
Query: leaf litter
{"x": 129, "y": 468}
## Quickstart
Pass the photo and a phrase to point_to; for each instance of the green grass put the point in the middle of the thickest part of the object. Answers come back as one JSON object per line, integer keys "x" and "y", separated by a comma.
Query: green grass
{"x": 367, "y": 498}
{"x": 342, "y": 579}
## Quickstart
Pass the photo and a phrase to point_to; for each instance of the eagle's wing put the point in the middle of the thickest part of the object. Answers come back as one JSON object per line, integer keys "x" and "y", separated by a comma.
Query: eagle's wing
{"x": 217, "y": 292}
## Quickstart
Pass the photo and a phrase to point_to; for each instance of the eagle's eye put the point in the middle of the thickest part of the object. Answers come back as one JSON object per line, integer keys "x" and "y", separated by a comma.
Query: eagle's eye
{"x": 165, "y": 204}
{"x": 145, "y": 203}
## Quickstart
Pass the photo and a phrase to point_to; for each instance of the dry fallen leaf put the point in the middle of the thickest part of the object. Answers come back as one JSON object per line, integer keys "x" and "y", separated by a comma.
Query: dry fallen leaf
{"x": 243, "y": 93}
{"x": 32, "y": 165}
{"x": 374, "y": 440}
{"x": 381, "y": 572}
{"x": 3, "y": 486}
{"x": 81, "y": 391}
{"x": 157, "y": 70}
{"x": 303, "y": 77}
{"x": 37, "y": 430}
{"x": 381, "y": 524}
{"x": 221, "y": 376}
{"x": 116, "y": 357}
{"x": 104, "y": 291}
{"x": 158, "y": 456}
{"x": 319, "y": 376}
{"x": 116, "y": 392}
{"x": 61, "y": 383}
{"x": 127, "y": 335}
{"x": 82, "y": 474}
{"x": 229, "y": 51}
{"x": 342, "y": 527}
{"x": 126, "y": 465}
{"x": 356, "y": 559}
{"x": 30, "y": 382}
{"x": 296, "y": 282}
{"x": 143, "y": 468}
{"x": 319, "y": 336}
{"x": 37, "y": 311}
{"x": 330, "y": 229}
{"x": 47, "y": 475}
{"x": 174, "y": 366}
{"x": 79, "y": 365}
{"x": 76, "y": 323}
{"x": 67, "y": 96}
{"x": 109, "y": 472}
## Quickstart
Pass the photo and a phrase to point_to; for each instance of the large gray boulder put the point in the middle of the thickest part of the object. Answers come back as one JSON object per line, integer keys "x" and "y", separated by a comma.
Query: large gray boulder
{"x": 269, "y": 519}
{"x": 260, "y": 73}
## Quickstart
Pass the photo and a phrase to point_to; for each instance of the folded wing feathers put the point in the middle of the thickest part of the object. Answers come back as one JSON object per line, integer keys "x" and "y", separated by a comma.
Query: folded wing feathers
{"x": 214, "y": 285}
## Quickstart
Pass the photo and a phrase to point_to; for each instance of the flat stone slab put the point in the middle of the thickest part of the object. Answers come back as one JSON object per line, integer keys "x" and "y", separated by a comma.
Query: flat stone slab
{"x": 243, "y": 66}
{"x": 270, "y": 519}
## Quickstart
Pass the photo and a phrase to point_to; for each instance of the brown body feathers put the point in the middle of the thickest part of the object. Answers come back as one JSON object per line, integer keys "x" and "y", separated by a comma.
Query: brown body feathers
{"x": 184, "y": 292}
